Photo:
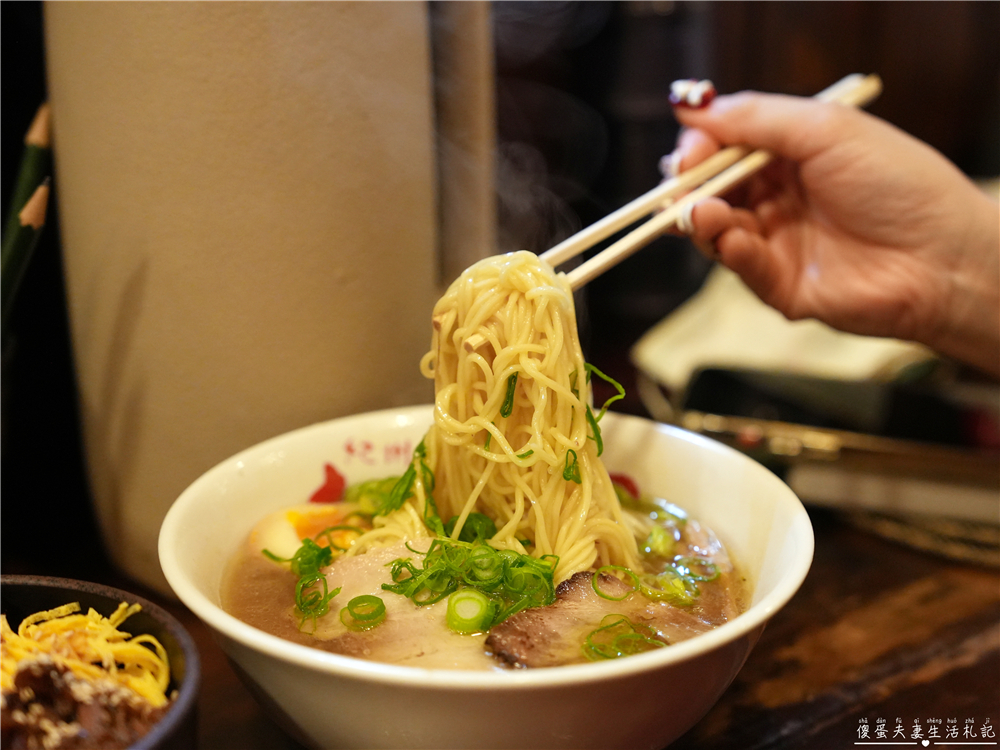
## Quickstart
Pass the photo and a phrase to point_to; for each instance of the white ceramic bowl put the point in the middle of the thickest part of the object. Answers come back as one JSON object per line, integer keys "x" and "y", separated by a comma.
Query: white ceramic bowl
{"x": 642, "y": 701}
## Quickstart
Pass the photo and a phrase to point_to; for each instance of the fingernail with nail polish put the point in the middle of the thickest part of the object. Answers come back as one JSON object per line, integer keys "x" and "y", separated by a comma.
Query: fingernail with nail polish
{"x": 691, "y": 93}
{"x": 670, "y": 165}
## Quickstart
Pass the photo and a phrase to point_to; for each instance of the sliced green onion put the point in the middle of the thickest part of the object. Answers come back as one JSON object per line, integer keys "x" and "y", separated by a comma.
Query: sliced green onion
{"x": 470, "y": 611}
{"x": 400, "y": 491}
{"x": 371, "y": 495}
{"x": 610, "y": 570}
{"x": 696, "y": 568}
{"x": 271, "y": 556}
{"x": 660, "y": 542}
{"x": 618, "y": 636}
{"x": 507, "y": 407}
{"x": 403, "y": 488}
{"x": 477, "y": 527}
{"x": 508, "y": 400}
{"x": 672, "y": 587}
{"x": 607, "y": 379}
{"x": 525, "y": 454}
{"x": 307, "y": 560}
{"x": 596, "y": 437}
{"x": 571, "y": 471}
{"x": 329, "y": 531}
{"x": 363, "y": 612}
{"x": 312, "y": 596}
{"x": 514, "y": 581}
{"x": 310, "y": 602}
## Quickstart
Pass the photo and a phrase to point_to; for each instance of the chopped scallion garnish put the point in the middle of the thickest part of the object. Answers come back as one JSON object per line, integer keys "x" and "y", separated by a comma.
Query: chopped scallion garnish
{"x": 312, "y": 596}
{"x": 596, "y": 437}
{"x": 660, "y": 542}
{"x": 477, "y": 527}
{"x": 329, "y": 531}
{"x": 670, "y": 585}
{"x": 310, "y": 601}
{"x": 514, "y": 581}
{"x": 607, "y": 379}
{"x": 507, "y": 408}
{"x": 696, "y": 568}
{"x": 618, "y": 636}
{"x": 470, "y": 611}
{"x": 363, "y": 612}
{"x": 571, "y": 471}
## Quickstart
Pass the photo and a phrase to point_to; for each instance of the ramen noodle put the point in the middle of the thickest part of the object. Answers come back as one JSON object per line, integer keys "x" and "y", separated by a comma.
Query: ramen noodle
{"x": 506, "y": 507}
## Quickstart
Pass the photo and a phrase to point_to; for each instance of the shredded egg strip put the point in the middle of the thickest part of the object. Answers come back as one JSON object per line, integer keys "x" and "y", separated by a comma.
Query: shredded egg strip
{"x": 90, "y": 646}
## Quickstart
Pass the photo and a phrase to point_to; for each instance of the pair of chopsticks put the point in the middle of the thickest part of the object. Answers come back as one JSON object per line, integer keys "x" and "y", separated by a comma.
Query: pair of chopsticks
{"x": 714, "y": 176}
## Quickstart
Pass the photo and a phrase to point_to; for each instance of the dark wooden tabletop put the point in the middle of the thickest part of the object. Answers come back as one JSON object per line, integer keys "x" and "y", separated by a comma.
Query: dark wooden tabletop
{"x": 880, "y": 640}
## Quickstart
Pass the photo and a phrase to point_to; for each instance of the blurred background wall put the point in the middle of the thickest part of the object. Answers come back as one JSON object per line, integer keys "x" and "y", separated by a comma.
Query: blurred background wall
{"x": 582, "y": 118}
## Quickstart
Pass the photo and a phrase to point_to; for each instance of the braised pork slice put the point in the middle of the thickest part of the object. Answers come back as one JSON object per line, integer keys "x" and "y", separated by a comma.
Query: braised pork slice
{"x": 554, "y": 635}
{"x": 410, "y": 635}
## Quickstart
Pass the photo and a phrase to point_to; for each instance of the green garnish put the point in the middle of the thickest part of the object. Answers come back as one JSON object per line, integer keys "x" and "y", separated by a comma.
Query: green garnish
{"x": 508, "y": 400}
{"x": 470, "y": 611}
{"x": 514, "y": 581}
{"x": 489, "y": 439}
{"x": 591, "y": 370}
{"x": 618, "y": 636}
{"x": 525, "y": 454}
{"x": 592, "y": 420}
{"x": 310, "y": 602}
{"x": 371, "y": 495}
{"x": 329, "y": 531}
{"x": 307, "y": 560}
{"x": 659, "y": 542}
{"x": 477, "y": 527}
{"x": 596, "y": 437}
{"x": 696, "y": 568}
{"x": 571, "y": 471}
{"x": 403, "y": 490}
{"x": 312, "y": 595}
{"x": 363, "y": 612}
{"x": 596, "y": 582}
{"x": 400, "y": 491}
{"x": 673, "y": 585}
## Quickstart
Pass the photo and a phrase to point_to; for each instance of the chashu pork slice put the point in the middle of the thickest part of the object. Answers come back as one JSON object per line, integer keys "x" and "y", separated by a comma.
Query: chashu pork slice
{"x": 554, "y": 635}
{"x": 410, "y": 635}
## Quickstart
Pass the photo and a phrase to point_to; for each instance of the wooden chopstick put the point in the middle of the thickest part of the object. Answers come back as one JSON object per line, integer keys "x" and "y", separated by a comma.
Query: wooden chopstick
{"x": 715, "y": 175}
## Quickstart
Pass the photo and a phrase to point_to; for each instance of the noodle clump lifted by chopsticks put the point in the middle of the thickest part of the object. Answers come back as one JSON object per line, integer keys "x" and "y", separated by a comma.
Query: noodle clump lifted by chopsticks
{"x": 514, "y": 437}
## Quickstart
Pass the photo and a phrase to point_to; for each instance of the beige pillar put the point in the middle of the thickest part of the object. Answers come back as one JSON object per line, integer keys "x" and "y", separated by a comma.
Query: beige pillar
{"x": 247, "y": 199}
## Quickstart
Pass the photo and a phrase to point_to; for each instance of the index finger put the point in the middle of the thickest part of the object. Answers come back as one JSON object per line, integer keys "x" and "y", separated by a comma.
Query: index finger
{"x": 693, "y": 147}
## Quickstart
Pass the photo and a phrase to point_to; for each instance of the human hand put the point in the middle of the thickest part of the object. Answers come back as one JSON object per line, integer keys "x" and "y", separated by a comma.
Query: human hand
{"x": 855, "y": 223}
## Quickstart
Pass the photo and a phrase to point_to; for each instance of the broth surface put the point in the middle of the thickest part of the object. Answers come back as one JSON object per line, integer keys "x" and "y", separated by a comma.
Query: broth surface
{"x": 261, "y": 592}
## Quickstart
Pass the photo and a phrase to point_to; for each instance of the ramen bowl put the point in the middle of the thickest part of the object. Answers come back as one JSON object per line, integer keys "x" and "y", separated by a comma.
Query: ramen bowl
{"x": 326, "y": 700}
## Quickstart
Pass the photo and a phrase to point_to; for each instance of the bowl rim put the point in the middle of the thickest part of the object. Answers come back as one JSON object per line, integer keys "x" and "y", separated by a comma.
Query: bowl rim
{"x": 754, "y": 618}
{"x": 187, "y": 691}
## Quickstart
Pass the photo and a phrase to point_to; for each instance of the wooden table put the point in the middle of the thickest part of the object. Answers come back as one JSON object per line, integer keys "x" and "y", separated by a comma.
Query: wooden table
{"x": 877, "y": 633}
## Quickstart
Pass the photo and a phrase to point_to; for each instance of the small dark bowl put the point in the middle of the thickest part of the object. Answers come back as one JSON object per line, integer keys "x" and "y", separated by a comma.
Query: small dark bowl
{"x": 21, "y": 596}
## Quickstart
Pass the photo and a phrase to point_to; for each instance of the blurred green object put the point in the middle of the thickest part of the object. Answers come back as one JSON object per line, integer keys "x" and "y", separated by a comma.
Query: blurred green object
{"x": 26, "y": 215}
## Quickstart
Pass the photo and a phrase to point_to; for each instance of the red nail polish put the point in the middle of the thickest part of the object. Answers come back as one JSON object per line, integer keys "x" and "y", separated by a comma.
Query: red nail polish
{"x": 692, "y": 93}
